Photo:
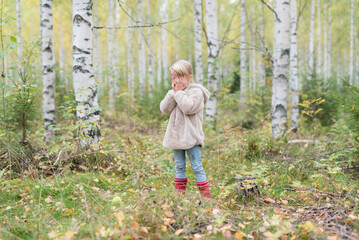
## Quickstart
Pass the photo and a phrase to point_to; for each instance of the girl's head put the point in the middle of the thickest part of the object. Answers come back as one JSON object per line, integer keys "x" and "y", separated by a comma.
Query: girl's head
{"x": 182, "y": 68}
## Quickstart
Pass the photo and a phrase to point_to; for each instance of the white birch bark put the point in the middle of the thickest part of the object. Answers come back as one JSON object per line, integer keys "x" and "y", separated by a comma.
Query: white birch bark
{"x": 159, "y": 67}
{"x": 88, "y": 114}
{"x": 151, "y": 78}
{"x": 96, "y": 43}
{"x": 130, "y": 58}
{"x": 110, "y": 55}
{"x": 212, "y": 36}
{"x": 19, "y": 37}
{"x": 48, "y": 69}
{"x": 116, "y": 59}
{"x": 294, "y": 86}
{"x": 319, "y": 40}
{"x": 261, "y": 63}
{"x": 61, "y": 53}
{"x": 311, "y": 43}
{"x": 253, "y": 72}
{"x": 164, "y": 15}
{"x": 351, "y": 56}
{"x": 243, "y": 56}
{"x": 281, "y": 51}
{"x": 325, "y": 30}
{"x": 197, "y": 26}
{"x": 141, "y": 52}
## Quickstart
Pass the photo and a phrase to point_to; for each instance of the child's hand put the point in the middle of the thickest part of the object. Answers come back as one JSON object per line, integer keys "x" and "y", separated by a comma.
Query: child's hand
{"x": 180, "y": 84}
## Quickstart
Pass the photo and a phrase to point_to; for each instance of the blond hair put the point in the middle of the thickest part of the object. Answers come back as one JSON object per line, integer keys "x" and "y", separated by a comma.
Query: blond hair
{"x": 183, "y": 68}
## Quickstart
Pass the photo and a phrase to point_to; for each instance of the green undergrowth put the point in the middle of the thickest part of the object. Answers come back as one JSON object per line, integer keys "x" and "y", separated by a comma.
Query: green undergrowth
{"x": 132, "y": 195}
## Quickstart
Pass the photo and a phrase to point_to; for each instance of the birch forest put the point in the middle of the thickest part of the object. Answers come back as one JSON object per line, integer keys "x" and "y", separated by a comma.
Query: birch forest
{"x": 82, "y": 151}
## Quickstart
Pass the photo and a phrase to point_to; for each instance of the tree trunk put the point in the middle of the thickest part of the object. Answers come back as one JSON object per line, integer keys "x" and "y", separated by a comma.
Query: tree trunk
{"x": 97, "y": 43}
{"x": 243, "y": 56}
{"x": 310, "y": 70}
{"x": 253, "y": 72}
{"x": 159, "y": 67}
{"x": 61, "y": 53}
{"x": 319, "y": 40}
{"x": 212, "y": 36}
{"x": 88, "y": 113}
{"x": 281, "y": 51}
{"x": 141, "y": 52}
{"x": 351, "y": 58}
{"x": 164, "y": 43}
{"x": 130, "y": 58}
{"x": 325, "y": 29}
{"x": 151, "y": 79}
{"x": 19, "y": 37}
{"x": 110, "y": 55}
{"x": 116, "y": 59}
{"x": 197, "y": 25}
{"x": 48, "y": 71}
{"x": 261, "y": 64}
{"x": 294, "y": 65}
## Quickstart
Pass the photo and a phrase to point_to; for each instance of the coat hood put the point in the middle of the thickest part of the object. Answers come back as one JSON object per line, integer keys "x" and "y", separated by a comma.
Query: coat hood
{"x": 206, "y": 93}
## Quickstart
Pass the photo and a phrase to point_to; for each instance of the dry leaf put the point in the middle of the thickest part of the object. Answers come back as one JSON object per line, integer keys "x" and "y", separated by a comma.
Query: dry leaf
{"x": 179, "y": 231}
{"x": 169, "y": 214}
{"x": 239, "y": 235}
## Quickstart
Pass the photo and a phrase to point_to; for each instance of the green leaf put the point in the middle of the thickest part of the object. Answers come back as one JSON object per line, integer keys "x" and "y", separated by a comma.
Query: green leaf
{"x": 13, "y": 39}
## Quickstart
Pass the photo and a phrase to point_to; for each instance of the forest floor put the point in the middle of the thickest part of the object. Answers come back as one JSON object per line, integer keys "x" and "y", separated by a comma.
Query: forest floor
{"x": 126, "y": 190}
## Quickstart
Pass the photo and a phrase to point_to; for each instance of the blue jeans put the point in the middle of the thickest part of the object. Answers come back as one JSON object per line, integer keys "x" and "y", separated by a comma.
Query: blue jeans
{"x": 194, "y": 155}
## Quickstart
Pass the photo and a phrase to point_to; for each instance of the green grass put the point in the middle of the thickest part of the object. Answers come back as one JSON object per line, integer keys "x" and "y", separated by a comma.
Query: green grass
{"x": 78, "y": 205}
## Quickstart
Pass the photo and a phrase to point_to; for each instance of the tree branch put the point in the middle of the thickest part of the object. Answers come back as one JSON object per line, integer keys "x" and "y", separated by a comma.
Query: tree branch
{"x": 265, "y": 46}
{"x": 270, "y": 8}
{"x": 146, "y": 25}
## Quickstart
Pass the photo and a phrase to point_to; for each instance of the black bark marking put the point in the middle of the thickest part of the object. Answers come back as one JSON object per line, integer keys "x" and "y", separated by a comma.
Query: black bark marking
{"x": 78, "y": 19}
{"x": 79, "y": 68}
{"x": 76, "y": 49}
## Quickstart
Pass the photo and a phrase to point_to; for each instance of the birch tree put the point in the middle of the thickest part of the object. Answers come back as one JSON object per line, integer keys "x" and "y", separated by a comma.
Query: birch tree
{"x": 294, "y": 83}
{"x": 48, "y": 69}
{"x": 116, "y": 58}
{"x": 18, "y": 30}
{"x": 197, "y": 26}
{"x": 329, "y": 58}
{"x": 319, "y": 40}
{"x": 243, "y": 55}
{"x": 281, "y": 51}
{"x": 261, "y": 63}
{"x": 164, "y": 16}
{"x": 87, "y": 110}
{"x": 351, "y": 50}
{"x": 130, "y": 58}
{"x": 311, "y": 43}
{"x": 96, "y": 43}
{"x": 212, "y": 36}
{"x": 357, "y": 58}
{"x": 141, "y": 51}
{"x": 61, "y": 52}
{"x": 325, "y": 30}
{"x": 159, "y": 66}
{"x": 151, "y": 78}
{"x": 110, "y": 54}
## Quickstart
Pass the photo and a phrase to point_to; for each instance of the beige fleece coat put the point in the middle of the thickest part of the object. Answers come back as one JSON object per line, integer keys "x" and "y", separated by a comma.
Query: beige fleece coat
{"x": 184, "y": 129}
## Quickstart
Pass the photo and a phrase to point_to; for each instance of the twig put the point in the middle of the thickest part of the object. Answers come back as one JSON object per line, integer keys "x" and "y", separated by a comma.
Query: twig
{"x": 301, "y": 11}
{"x": 276, "y": 15}
{"x": 139, "y": 26}
{"x": 312, "y": 190}
{"x": 265, "y": 47}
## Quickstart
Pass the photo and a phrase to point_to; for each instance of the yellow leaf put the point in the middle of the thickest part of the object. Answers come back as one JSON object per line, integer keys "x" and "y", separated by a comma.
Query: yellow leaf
{"x": 69, "y": 234}
{"x": 239, "y": 235}
{"x": 308, "y": 226}
{"x": 179, "y": 231}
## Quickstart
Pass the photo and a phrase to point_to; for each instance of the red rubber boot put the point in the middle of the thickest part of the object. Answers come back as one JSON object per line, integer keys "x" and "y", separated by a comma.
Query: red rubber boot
{"x": 180, "y": 185}
{"x": 204, "y": 189}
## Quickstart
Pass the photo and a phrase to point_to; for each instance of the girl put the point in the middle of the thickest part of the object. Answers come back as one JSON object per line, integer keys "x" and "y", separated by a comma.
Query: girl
{"x": 184, "y": 132}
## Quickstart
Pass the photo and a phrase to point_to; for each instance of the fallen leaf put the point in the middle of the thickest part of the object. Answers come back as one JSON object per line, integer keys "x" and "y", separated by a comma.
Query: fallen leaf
{"x": 308, "y": 226}
{"x": 169, "y": 214}
{"x": 179, "y": 231}
{"x": 239, "y": 235}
